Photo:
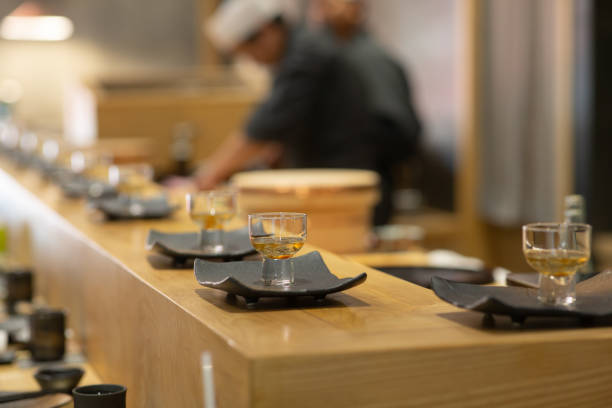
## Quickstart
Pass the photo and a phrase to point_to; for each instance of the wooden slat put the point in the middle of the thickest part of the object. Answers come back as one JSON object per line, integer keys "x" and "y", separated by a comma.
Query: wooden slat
{"x": 467, "y": 179}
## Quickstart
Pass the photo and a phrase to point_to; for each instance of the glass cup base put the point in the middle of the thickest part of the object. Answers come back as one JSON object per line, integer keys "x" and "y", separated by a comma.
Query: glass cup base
{"x": 212, "y": 249}
{"x": 278, "y": 272}
{"x": 281, "y": 282}
{"x": 557, "y": 290}
{"x": 213, "y": 243}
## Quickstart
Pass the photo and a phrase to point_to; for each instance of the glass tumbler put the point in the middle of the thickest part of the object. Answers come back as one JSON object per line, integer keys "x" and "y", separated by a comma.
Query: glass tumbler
{"x": 557, "y": 251}
{"x": 277, "y": 236}
{"x": 211, "y": 210}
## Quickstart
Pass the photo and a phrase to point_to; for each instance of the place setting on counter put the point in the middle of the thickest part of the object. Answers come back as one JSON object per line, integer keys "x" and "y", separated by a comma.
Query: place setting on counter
{"x": 137, "y": 197}
{"x": 558, "y": 252}
{"x": 117, "y": 191}
{"x": 277, "y": 237}
{"x": 212, "y": 212}
{"x": 218, "y": 254}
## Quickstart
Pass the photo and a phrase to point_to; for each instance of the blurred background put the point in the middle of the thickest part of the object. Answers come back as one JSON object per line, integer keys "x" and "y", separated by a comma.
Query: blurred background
{"x": 513, "y": 96}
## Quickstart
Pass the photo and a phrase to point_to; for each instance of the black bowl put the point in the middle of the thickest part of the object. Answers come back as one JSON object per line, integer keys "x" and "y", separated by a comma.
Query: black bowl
{"x": 100, "y": 396}
{"x": 60, "y": 379}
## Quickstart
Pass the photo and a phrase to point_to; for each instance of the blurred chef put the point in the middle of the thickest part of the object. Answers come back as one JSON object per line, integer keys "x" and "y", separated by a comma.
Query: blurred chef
{"x": 386, "y": 87}
{"x": 343, "y": 17}
{"x": 317, "y": 110}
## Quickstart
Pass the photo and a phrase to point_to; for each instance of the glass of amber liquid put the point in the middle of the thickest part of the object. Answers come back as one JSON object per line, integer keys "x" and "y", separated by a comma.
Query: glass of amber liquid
{"x": 131, "y": 180}
{"x": 277, "y": 236}
{"x": 557, "y": 251}
{"x": 211, "y": 210}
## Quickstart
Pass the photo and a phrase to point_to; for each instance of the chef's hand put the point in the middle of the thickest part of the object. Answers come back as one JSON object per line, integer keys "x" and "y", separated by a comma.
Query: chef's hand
{"x": 205, "y": 178}
{"x": 173, "y": 182}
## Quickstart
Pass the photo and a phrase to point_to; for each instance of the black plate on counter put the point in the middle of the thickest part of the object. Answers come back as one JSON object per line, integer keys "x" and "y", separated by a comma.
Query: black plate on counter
{"x": 312, "y": 278}
{"x": 75, "y": 186}
{"x": 532, "y": 279}
{"x": 421, "y": 275}
{"x": 123, "y": 207}
{"x": 527, "y": 280}
{"x": 184, "y": 245}
{"x": 594, "y": 299}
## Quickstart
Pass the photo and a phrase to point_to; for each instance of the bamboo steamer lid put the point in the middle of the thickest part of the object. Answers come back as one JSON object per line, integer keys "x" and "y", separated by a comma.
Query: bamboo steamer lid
{"x": 308, "y": 188}
{"x": 317, "y": 179}
{"x": 339, "y": 202}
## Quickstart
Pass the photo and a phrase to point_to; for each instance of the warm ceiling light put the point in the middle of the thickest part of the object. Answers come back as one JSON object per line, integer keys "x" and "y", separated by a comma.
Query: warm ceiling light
{"x": 28, "y": 22}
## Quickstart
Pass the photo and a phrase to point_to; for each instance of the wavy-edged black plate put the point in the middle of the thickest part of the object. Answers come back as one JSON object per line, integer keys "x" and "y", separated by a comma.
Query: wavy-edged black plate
{"x": 184, "y": 245}
{"x": 312, "y": 278}
{"x": 422, "y": 275}
{"x": 593, "y": 299}
{"x": 75, "y": 186}
{"x": 123, "y": 207}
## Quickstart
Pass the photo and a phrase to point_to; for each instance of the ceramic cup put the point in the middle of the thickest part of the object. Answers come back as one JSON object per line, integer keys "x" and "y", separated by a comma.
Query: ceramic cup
{"x": 47, "y": 340}
{"x": 18, "y": 288}
{"x": 99, "y": 396}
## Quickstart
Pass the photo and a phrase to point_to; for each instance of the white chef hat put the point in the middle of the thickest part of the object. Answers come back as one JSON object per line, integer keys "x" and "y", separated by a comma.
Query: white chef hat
{"x": 235, "y": 20}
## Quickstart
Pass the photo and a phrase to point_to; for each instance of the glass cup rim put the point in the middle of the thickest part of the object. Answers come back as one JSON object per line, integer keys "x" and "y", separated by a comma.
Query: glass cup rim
{"x": 554, "y": 226}
{"x": 220, "y": 192}
{"x": 277, "y": 215}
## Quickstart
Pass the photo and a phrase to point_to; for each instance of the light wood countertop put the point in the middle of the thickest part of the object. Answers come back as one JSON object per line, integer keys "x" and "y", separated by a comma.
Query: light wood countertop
{"x": 15, "y": 378}
{"x": 384, "y": 343}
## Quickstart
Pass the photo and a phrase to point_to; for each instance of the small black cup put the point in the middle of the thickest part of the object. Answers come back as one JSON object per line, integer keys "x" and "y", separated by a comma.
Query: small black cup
{"x": 99, "y": 396}
{"x": 18, "y": 288}
{"x": 47, "y": 340}
{"x": 59, "y": 379}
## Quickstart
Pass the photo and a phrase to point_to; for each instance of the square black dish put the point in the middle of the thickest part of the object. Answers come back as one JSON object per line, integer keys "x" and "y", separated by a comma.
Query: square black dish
{"x": 593, "y": 299}
{"x": 422, "y": 275}
{"x": 184, "y": 245}
{"x": 75, "y": 186}
{"x": 312, "y": 278}
{"x": 123, "y": 207}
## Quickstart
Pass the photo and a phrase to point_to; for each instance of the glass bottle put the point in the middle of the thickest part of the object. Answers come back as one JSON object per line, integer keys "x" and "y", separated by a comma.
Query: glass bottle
{"x": 575, "y": 212}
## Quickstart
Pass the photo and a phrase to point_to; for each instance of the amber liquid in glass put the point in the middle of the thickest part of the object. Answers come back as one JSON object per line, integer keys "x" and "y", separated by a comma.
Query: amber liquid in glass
{"x": 210, "y": 221}
{"x": 134, "y": 186}
{"x": 555, "y": 262}
{"x": 277, "y": 248}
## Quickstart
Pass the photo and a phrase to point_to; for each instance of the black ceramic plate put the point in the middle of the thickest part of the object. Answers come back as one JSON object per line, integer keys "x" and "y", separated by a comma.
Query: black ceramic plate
{"x": 312, "y": 278}
{"x": 594, "y": 299}
{"x": 532, "y": 279}
{"x": 421, "y": 275}
{"x": 122, "y": 207}
{"x": 527, "y": 280}
{"x": 182, "y": 246}
{"x": 75, "y": 186}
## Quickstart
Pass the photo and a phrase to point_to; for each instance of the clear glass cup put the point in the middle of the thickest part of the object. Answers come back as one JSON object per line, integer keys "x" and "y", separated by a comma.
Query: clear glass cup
{"x": 50, "y": 150}
{"x": 28, "y": 142}
{"x": 211, "y": 210}
{"x": 557, "y": 251}
{"x": 9, "y": 136}
{"x": 91, "y": 164}
{"x": 278, "y": 236}
{"x": 131, "y": 180}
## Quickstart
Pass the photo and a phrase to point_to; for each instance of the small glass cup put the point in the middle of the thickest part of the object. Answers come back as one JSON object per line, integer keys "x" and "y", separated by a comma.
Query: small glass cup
{"x": 131, "y": 180}
{"x": 211, "y": 210}
{"x": 9, "y": 136}
{"x": 90, "y": 163}
{"x": 50, "y": 151}
{"x": 28, "y": 143}
{"x": 557, "y": 251}
{"x": 277, "y": 236}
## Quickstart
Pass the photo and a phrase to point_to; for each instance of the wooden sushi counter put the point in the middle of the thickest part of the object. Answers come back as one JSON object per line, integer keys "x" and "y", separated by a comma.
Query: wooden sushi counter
{"x": 384, "y": 343}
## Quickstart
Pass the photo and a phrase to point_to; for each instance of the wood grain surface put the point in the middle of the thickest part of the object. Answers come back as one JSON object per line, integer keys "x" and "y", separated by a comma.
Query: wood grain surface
{"x": 385, "y": 343}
